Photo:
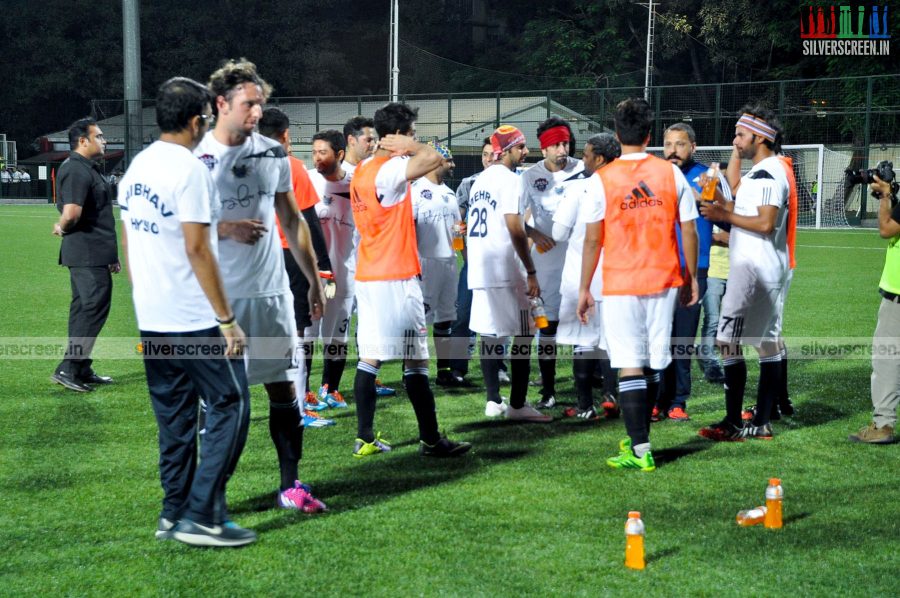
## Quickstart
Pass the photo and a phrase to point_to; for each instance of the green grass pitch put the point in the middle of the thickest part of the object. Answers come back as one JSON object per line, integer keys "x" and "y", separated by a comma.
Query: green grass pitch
{"x": 532, "y": 510}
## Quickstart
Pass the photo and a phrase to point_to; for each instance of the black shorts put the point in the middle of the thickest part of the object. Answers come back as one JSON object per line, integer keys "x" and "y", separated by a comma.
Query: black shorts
{"x": 300, "y": 290}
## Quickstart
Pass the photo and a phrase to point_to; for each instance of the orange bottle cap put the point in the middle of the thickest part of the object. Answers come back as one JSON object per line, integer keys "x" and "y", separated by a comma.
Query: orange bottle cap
{"x": 634, "y": 514}
{"x": 774, "y": 481}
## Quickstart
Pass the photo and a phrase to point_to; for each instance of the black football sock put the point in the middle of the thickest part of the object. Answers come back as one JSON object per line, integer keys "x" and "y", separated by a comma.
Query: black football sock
{"x": 491, "y": 357}
{"x": 286, "y": 430}
{"x": 333, "y": 366}
{"x": 419, "y": 392}
{"x": 610, "y": 374}
{"x": 735, "y": 382}
{"x": 783, "y": 395}
{"x": 654, "y": 390}
{"x": 519, "y": 370}
{"x": 633, "y": 402}
{"x": 364, "y": 395}
{"x": 442, "y": 345}
{"x": 584, "y": 361}
{"x": 308, "y": 357}
{"x": 767, "y": 391}
{"x": 547, "y": 359}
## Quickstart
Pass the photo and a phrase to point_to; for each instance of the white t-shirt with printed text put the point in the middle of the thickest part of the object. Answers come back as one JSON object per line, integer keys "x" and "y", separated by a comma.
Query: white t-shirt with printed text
{"x": 336, "y": 217}
{"x": 164, "y": 187}
{"x": 435, "y": 210}
{"x": 248, "y": 176}
{"x": 765, "y": 184}
{"x": 542, "y": 193}
{"x": 493, "y": 261}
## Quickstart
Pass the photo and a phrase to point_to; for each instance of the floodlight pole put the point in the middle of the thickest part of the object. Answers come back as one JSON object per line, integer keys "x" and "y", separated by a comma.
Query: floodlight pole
{"x": 393, "y": 50}
{"x": 131, "y": 33}
{"x": 649, "y": 64}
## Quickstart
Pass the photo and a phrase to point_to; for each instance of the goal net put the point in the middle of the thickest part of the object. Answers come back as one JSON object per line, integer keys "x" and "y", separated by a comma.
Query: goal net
{"x": 820, "y": 180}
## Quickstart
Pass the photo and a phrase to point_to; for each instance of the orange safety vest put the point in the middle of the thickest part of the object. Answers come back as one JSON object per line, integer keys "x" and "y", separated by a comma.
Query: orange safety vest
{"x": 387, "y": 236}
{"x": 793, "y": 204}
{"x": 304, "y": 193}
{"x": 640, "y": 249}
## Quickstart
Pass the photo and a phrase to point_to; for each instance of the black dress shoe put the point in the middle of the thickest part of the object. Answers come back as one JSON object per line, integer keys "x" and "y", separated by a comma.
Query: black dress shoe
{"x": 95, "y": 378}
{"x": 450, "y": 379}
{"x": 70, "y": 382}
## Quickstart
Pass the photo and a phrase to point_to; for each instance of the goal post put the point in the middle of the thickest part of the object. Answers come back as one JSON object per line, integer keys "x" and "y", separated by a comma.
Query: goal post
{"x": 820, "y": 180}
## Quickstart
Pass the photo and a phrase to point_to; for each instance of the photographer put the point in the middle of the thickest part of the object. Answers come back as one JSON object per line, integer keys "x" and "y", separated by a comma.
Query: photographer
{"x": 885, "y": 346}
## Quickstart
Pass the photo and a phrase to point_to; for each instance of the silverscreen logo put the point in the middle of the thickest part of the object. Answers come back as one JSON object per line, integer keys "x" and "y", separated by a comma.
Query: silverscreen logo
{"x": 845, "y": 30}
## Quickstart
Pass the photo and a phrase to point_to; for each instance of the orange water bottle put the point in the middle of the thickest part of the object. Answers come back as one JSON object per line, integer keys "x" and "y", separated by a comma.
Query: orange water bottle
{"x": 774, "y": 498}
{"x": 634, "y": 541}
{"x": 709, "y": 189}
{"x": 750, "y": 517}
{"x": 538, "y": 312}
{"x": 459, "y": 231}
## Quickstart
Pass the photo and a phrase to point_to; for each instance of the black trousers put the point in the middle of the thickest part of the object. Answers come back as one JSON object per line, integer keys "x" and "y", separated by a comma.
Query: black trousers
{"x": 191, "y": 489}
{"x": 300, "y": 289}
{"x": 91, "y": 298}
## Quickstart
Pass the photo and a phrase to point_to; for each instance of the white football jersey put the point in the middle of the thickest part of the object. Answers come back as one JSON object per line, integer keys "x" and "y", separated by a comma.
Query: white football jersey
{"x": 492, "y": 259}
{"x": 336, "y": 218}
{"x": 765, "y": 184}
{"x": 577, "y": 193}
{"x": 164, "y": 187}
{"x": 436, "y": 211}
{"x": 542, "y": 192}
{"x": 247, "y": 177}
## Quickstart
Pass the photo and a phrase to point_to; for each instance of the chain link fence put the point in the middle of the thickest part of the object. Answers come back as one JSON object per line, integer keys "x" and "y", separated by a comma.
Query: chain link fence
{"x": 859, "y": 116}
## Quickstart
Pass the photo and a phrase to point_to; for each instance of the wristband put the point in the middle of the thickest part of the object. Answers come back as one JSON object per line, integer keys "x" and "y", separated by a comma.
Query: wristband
{"x": 530, "y": 272}
{"x": 228, "y": 326}
{"x": 326, "y": 275}
{"x": 226, "y": 321}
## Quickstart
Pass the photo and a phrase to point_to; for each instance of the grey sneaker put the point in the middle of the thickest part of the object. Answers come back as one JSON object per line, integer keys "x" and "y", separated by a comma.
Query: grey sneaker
{"x": 503, "y": 376}
{"x": 527, "y": 413}
{"x": 872, "y": 434}
{"x": 229, "y": 534}
{"x": 164, "y": 528}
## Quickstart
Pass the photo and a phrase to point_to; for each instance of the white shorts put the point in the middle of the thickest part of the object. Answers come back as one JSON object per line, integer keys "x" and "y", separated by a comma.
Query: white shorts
{"x": 572, "y": 332}
{"x": 750, "y": 309}
{"x": 779, "y": 322}
{"x": 334, "y": 325}
{"x": 550, "y": 280}
{"x": 501, "y": 311}
{"x": 638, "y": 329}
{"x": 271, "y": 333}
{"x": 439, "y": 284}
{"x": 391, "y": 320}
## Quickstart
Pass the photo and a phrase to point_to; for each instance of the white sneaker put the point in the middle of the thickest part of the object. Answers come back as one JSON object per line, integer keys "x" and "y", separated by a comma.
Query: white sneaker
{"x": 503, "y": 377}
{"x": 527, "y": 413}
{"x": 547, "y": 403}
{"x": 492, "y": 409}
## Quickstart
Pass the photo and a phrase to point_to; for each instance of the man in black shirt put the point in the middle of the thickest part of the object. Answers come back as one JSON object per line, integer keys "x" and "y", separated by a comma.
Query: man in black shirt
{"x": 88, "y": 249}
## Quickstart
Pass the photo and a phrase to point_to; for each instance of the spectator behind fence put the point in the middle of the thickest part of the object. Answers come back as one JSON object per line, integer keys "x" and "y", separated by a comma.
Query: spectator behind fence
{"x": 26, "y": 183}
{"x": 5, "y": 180}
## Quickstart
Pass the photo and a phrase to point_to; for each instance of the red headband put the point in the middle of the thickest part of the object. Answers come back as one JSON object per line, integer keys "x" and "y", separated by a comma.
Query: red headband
{"x": 553, "y": 136}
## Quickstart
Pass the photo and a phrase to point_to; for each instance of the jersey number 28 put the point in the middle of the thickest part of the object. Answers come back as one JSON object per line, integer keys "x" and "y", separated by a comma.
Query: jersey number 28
{"x": 478, "y": 217}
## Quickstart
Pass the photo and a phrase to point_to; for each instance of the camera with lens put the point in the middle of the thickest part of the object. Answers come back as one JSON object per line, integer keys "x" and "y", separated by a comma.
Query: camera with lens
{"x": 884, "y": 170}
